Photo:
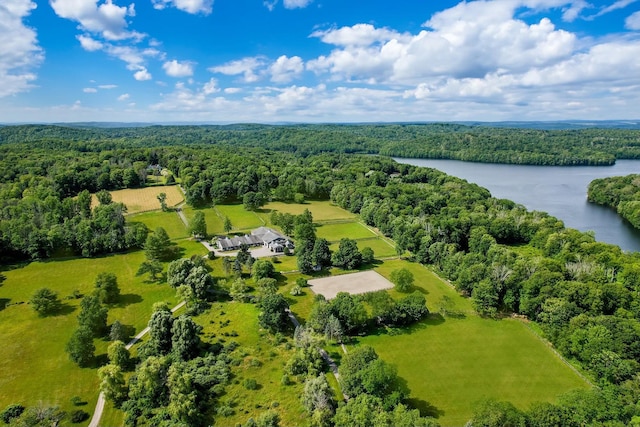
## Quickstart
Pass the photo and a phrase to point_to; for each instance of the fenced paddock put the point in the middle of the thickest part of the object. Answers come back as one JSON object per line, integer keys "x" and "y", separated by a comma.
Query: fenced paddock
{"x": 354, "y": 283}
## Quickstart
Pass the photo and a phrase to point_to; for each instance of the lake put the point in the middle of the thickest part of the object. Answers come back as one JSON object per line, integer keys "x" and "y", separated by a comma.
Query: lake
{"x": 559, "y": 190}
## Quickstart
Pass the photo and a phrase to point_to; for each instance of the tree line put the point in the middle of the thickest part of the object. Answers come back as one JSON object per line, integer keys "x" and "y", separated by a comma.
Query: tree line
{"x": 621, "y": 193}
{"x": 593, "y": 146}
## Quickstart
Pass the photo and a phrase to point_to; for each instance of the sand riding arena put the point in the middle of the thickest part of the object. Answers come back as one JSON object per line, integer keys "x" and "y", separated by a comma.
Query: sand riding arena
{"x": 355, "y": 283}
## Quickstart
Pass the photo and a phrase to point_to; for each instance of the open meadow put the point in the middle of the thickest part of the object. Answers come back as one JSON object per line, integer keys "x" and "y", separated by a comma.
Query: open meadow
{"x": 322, "y": 210}
{"x": 169, "y": 220}
{"x": 452, "y": 362}
{"x": 34, "y": 363}
{"x": 146, "y": 198}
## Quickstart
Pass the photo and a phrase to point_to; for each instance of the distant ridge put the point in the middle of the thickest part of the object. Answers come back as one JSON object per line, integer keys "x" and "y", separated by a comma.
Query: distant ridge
{"x": 541, "y": 125}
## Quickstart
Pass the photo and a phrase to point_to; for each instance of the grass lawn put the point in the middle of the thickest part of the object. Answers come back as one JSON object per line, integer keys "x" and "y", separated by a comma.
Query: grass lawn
{"x": 241, "y": 219}
{"x": 451, "y": 364}
{"x": 215, "y": 223}
{"x": 335, "y": 232}
{"x": 170, "y": 221}
{"x": 425, "y": 281}
{"x": 34, "y": 364}
{"x": 322, "y": 210}
{"x": 145, "y": 199}
{"x": 261, "y": 359}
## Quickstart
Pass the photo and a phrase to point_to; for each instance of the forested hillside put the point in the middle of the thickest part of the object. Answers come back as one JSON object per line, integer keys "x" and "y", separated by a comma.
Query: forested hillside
{"x": 621, "y": 193}
{"x": 438, "y": 141}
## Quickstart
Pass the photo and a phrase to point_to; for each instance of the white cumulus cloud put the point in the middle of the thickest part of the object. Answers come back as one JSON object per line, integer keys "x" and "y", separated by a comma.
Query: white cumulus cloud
{"x": 19, "y": 49}
{"x": 189, "y": 6}
{"x": 142, "y": 75}
{"x": 123, "y": 97}
{"x": 89, "y": 44}
{"x": 285, "y": 69}
{"x": 247, "y": 67}
{"x": 178, "y": 69}
{"x": 106, "y": 18}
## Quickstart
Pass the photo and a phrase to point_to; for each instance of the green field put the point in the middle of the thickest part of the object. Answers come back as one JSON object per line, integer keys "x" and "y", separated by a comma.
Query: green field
{"x": 322, "y": 210}
{"x": 241, "y": 219}
{"x": 34, "y": 364}
{"x": 170, "y": 221}
{"x": 215, "y": 222}
{"x": 451, "y": 363}
{"x": 335, "y": 232}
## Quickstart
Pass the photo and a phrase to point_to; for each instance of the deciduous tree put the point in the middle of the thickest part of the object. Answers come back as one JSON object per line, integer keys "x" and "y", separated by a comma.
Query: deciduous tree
{"x": 45, "y": 301}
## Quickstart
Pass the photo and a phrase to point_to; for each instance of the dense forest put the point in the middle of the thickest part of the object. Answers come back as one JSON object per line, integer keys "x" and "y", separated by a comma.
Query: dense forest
{"x": 621, "y": 193}
{"x": 583, "y": 294}
{"x": 436, "y": 141}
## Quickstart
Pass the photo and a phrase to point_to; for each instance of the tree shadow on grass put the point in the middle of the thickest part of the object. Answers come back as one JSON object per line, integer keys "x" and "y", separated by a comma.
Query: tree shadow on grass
{"x": 3, "y": 303}
{"x": 128, "y": 299}
{"x": 100, "y": 360}
{"x": 64, "y": 310}
{"x": 426, "y": 409}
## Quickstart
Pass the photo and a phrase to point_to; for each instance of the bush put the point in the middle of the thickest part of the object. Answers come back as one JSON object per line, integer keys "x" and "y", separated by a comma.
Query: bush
{"x": 10, "y": 412}
{"x": 250, "y": 384}
{"x": 79, "y": 416}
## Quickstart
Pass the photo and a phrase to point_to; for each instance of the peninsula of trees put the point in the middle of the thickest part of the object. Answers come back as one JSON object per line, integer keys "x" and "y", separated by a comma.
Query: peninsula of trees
{"x": 621, "y": 193}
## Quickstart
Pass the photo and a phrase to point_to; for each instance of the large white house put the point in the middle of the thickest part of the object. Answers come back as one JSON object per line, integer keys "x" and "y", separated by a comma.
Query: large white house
{"x": 263, "y": 236}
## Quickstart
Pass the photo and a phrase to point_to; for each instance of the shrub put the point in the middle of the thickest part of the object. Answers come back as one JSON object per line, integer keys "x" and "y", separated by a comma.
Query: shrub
{"x": 79, "y": 416}
{"x": 10, "y": 412}
{"x": 250, "y": 384}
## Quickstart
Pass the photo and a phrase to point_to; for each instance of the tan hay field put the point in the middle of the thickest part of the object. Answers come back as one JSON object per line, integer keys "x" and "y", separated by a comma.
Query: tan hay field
{"x": 355, "y": 283}
{"x": 145, "y": 199}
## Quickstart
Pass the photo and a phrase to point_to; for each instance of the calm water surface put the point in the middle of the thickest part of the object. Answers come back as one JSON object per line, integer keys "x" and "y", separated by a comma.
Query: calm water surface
{"x": 559, "y": 190}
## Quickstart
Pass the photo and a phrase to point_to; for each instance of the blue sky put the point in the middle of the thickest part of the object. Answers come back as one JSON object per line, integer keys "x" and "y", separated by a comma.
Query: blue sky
{"x": 318, "y": 60}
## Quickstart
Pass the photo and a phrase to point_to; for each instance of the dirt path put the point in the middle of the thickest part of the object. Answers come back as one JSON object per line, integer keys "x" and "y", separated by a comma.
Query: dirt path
{"x": 97, "y": 412}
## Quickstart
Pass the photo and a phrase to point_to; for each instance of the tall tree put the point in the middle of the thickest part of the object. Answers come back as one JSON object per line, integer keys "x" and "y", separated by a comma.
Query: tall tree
{"x": 198, "y": 225}
{"x": 347, "y": 256}
{"x": 158, "y": 245}
{"x": 185, "y": 337}
{"x": 80, "y": 347}
{"x": 321, "y": 253}
{"x": 263, "y": 269}
{"x": 227, "y": 225}
{"x": 45, "y": 301}
{"x": 107, "y": 288}
{"x": 403, "y": 279}
{"x": 119, "y": 355}
{"x": 151, "y": 267}
{"x": 160, "y": 326}
{"x": 273, "y": 315}
{"x": 112, "y": 384}
{"x": 162, "y": 198}
{"x": 93, "y": 315}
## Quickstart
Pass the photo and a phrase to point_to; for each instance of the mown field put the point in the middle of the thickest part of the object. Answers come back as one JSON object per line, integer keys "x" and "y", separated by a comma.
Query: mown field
{"x": 452, "y": 362}
{"x": 145, "y": 199}
{"x": 322, "y": 210}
